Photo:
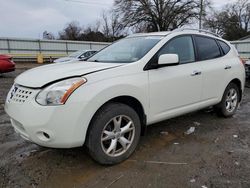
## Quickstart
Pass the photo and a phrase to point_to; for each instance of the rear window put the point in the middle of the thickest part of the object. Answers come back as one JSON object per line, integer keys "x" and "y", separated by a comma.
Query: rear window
{"x": 224, "y": 47}
{"x": 207, "y": 48}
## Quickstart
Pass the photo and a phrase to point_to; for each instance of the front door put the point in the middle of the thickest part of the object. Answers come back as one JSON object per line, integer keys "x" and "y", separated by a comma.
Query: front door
{"x": 175, "y": 89}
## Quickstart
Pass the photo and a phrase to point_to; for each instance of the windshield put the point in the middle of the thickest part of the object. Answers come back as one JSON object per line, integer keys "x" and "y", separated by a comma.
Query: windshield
{"x": 76, "y": 54}
{"x": 126, "y": 50}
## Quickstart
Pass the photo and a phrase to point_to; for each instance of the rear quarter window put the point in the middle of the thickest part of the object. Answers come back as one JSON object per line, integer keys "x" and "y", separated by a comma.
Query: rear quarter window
{"x": 207, "y": 48}
{"x": 225, "y": 47}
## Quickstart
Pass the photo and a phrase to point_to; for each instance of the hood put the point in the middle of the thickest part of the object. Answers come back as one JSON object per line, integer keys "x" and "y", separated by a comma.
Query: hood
{"x": 2, "y": 57}
{"x": 40, "y": 76}
{"x": 64, "y": 59}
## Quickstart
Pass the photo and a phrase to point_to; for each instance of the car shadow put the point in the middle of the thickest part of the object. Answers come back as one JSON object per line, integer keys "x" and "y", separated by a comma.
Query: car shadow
{"x": 164, "y": 141}
{"x": 166, "y": 132}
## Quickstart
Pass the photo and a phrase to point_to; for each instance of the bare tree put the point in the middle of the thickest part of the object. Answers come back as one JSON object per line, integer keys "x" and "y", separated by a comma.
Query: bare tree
{"x": 72, "y": 31}
{"x": 105, "y": 24}
{"x": 48, "y": 35}
{"x": 216, "y": 22}
{"x": 111, "y": 25}
{"x": 242, "y": 11}
{"x": 232, "y": 22}
{"x": 204, "y": 7}
{"x": 116, "y": 25}
{"x": 93, "y": 33}
{"x": 157, "y": 15}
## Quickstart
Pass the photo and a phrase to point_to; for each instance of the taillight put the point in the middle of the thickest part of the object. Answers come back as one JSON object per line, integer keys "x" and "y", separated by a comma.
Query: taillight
{"x": 243, "y": 61}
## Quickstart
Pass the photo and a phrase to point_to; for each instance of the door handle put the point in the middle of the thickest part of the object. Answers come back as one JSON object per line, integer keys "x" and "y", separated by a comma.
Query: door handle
{"x": 196, "y": 73}
{"x": 227, "y": 67}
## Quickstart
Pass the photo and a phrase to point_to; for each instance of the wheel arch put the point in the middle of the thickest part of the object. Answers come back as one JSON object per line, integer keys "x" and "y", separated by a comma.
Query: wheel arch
{"x": 130, "y": 101}
{"x": 136, "y": 105}
{"x": 239, "y": 85}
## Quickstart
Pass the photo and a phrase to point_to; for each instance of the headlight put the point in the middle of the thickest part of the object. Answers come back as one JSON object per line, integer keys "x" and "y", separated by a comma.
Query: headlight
{"x": 58, "y": 93}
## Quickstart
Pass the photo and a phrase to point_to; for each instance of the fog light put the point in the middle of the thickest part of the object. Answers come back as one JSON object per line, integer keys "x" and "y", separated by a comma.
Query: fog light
{"x": 46, "y": 135}
{"x": 43, "y": 136}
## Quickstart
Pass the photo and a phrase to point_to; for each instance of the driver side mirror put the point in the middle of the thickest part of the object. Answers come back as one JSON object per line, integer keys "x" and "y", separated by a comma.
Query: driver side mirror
{"x": 168, "y": 59}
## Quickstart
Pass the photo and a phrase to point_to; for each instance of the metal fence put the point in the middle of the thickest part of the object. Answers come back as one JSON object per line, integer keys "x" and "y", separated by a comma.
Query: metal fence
{"x": 28, "y": 49}
{"x": 243, "y": 48}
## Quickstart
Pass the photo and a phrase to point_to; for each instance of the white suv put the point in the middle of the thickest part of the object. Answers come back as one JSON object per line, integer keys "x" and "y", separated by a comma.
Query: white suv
{"x": 107, "y": 102}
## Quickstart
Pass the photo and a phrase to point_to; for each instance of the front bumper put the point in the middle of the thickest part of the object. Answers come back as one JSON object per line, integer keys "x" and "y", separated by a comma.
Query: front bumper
{"x": 11, "y": 69}
{"x": 49, "y": 126}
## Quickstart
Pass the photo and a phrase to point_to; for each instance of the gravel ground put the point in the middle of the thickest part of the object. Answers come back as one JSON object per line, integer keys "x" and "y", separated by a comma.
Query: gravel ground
{"x": 217, "y": 154}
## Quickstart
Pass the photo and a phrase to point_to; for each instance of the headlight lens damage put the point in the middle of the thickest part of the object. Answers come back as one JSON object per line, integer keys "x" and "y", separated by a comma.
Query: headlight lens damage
{"x": 58, "y": 93}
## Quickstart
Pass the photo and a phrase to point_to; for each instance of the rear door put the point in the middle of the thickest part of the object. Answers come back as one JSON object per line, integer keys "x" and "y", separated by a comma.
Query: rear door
{"x": 175, "y": 89}
{"x": 214, "y": 68}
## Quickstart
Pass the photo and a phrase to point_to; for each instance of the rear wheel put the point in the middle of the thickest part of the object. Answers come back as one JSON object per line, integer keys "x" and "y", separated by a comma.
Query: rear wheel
{"x": 114, "y": 133}
{"x": 230, "y": 101}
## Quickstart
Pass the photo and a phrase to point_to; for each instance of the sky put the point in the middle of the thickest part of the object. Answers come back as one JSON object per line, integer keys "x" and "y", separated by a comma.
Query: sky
{"x": 29, "y": 18}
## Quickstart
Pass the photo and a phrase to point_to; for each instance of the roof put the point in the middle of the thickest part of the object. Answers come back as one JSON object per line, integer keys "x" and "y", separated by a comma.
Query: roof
{"x": 181, "y": 30}
{"x": 161, "y": 33}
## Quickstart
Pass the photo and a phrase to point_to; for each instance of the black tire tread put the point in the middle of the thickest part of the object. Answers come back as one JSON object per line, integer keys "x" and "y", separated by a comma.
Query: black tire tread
{"x": 220, "y": 108}
{"x": 96, "y": 154}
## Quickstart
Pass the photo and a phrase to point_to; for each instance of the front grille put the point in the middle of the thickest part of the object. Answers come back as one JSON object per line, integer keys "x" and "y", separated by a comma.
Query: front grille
{"x": 20, "y": 94}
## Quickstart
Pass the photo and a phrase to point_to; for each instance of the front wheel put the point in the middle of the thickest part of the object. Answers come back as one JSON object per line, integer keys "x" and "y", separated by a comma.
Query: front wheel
{"x": 230, "y": 101}
{"x": 114, "y": 133}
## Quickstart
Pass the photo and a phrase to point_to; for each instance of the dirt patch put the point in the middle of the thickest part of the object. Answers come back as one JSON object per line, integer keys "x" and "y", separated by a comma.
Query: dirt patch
{"x": 217, "y": 154}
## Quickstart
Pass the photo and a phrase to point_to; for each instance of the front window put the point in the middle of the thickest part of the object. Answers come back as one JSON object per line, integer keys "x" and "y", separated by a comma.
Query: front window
{"x": 76, "y": 54}
{"x": 182, "y": 46}
{"x": 126, "y": 50}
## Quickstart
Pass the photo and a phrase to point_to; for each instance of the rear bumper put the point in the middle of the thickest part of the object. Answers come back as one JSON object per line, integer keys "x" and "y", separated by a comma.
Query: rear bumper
{"x": 247, "y": 67}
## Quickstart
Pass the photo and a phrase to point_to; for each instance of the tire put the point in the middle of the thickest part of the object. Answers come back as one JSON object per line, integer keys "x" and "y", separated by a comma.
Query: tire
{"x": 230, "y": 101}
{"x": 113, "y": 134}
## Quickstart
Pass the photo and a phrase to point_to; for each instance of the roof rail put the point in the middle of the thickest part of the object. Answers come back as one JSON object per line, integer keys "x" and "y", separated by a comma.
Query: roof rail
{"x": 199, "y": 30}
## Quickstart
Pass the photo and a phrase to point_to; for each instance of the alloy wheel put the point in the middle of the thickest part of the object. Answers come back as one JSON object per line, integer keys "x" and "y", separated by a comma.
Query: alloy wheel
{"x": 231, "y": 100}
{"x": 117, "y": 135}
